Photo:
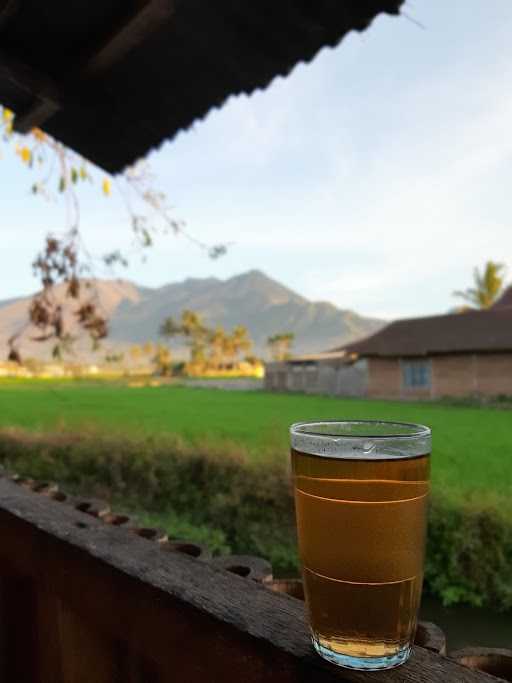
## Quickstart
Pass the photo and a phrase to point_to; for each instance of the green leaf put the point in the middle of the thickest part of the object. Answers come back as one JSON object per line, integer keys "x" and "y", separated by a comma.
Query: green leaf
{"x": 74, "y": 176}
{"x": 62, "y": 184}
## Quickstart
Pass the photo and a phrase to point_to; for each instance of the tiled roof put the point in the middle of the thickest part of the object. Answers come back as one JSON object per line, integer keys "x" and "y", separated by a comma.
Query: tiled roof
{"x": 112, "y": 81}
{"x": 475, "y": 331}
{"x": 505, "y": 300}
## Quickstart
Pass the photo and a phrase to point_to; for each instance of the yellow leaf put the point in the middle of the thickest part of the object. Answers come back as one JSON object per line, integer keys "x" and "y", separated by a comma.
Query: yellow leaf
{"x": 26, "y": 155}
{"x": 7, "y": 115}
{"x": 106, "y": 186}
{"x": 38, "y": 134}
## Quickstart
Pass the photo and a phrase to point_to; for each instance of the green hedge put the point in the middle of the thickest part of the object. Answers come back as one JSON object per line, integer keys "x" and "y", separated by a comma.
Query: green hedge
{"x": 213, "y": 493}
{"x": 469, "y": 553}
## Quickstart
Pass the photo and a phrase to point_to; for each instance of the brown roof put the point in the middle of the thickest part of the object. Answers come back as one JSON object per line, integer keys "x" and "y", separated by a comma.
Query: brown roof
{"x": 326, "y": 355}
{"x": 505, "y": 299}
{"x": 484, "y": 331}
{"x": 112, "y": 79}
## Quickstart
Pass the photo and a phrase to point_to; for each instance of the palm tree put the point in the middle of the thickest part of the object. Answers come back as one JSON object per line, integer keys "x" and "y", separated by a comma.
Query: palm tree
{"x": 170, "y": 328}
{"x": 216, "y": 343}
{"x": 488, "y": 286}
{"x": 280, "y": 345}
{"x": 163, "y": 360}
{"x": 192, "y": 325}
{"x": 241, "y": 339}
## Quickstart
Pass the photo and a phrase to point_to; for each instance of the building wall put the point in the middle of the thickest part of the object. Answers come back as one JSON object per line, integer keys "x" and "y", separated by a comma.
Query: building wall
{"x": 337, "y": 379}
{"x": 452, "y": 375}
{"x": 384, "y": 377}
{"x": 494, "y": 374}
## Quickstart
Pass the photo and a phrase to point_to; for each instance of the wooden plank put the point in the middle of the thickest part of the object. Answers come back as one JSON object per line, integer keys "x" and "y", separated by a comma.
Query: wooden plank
{"x": 182, "y": 615}
{"x": 85, "y": 652}
{"x": 49, "y": 653}
{"x": 7, "y": 9}
{"x": 18, "y": 613}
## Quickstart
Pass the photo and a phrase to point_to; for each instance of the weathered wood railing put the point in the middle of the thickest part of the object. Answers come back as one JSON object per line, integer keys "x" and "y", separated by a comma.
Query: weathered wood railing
{"x": 82, "y": 601}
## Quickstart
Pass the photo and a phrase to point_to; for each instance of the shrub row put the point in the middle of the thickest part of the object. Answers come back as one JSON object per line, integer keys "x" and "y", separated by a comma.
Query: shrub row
{"x": 215, "y": 493}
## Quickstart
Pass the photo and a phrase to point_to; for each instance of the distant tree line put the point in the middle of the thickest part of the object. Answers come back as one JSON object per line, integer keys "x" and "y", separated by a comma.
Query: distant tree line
{"x": 214, "y": 349}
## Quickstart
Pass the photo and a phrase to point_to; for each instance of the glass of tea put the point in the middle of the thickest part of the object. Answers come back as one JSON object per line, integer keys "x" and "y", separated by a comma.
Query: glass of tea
{"x": 361, "y": 493}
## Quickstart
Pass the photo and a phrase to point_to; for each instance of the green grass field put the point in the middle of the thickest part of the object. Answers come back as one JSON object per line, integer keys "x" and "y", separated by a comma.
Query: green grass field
{"x": 472, "y": 446}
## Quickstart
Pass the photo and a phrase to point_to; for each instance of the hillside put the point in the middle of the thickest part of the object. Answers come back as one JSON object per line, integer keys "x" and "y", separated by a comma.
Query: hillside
{"x": 252, "y": 299}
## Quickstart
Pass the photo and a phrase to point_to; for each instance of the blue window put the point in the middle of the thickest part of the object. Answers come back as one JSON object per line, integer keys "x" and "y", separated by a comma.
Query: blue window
{"x": 416, "y": 374}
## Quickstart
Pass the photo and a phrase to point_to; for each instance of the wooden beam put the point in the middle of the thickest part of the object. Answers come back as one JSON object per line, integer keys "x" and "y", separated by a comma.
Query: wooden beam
{"x": 35, "y": 116}
{"x": 148, "y": 615}
{"x": 7, "y": 9}
{"x": 30, "y": 80}
{"x": 148, "y": 19}
{"x": 47, "y": 94}
{"x": 133, "y": 33}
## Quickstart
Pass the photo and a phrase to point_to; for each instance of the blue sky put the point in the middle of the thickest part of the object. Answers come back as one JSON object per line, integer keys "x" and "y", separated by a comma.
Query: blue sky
{"x": 375, "y": 177}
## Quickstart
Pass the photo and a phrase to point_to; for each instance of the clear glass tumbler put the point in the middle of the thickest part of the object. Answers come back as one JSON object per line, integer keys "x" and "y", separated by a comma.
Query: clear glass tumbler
{"x": 361, "y": 492}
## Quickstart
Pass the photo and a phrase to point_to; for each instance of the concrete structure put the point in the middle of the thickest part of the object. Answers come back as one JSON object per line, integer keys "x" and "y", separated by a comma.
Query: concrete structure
{"x": 462, "y": 354}
{"x": 335, "y": 373}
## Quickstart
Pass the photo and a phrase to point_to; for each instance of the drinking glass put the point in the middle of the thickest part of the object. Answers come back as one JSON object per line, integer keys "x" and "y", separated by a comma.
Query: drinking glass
{"x": 361, "y": 492}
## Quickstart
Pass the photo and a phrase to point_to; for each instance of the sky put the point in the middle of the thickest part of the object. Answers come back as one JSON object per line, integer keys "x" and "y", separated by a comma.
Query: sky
{"x": 376, "y": 177}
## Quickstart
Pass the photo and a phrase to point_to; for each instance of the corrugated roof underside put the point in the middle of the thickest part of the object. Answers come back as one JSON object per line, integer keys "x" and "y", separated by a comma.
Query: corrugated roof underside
{"x": 206, "y": 52}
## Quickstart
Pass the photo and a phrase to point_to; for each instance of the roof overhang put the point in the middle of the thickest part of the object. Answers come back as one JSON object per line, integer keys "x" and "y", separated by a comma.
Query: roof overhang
{"x": 114, "y": 79}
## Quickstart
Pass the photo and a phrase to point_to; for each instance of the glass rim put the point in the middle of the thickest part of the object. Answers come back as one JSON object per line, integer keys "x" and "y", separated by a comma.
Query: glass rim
{"x": 401, "y": 440}
{"x": 419, "y": 429}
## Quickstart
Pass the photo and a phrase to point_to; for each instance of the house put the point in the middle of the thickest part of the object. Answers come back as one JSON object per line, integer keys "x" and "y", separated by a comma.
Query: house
{"x": 336, "y": 373}
{"x": 505, "y": 300}
{"x": 459, "y": 354}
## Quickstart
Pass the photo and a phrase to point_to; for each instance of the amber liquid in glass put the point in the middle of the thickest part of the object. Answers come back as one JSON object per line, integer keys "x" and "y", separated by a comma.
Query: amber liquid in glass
{"x": 361, "y": 528}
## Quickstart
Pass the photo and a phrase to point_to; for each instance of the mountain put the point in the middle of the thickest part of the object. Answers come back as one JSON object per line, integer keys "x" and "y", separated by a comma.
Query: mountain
{"x": 108, "y": 294}
{"x": 252, "y": 299}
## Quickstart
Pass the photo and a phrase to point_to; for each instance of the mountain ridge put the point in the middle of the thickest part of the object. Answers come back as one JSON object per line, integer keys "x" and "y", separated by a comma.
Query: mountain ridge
{"x": 264, "y": 305}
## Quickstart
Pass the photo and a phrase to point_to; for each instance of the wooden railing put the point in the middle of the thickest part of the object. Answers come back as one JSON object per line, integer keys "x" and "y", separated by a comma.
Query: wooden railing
{"x": 86, "y": 601}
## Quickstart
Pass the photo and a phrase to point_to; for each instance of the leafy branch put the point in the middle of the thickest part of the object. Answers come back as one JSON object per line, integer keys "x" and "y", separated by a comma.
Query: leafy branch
{"x": 488, "y": 285}
{"x": 65, "y": 260}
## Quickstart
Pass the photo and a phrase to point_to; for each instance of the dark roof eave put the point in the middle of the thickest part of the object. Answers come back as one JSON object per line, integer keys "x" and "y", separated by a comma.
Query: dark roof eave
{"x": 428, "y": 354}
{"x": 148, "y": 72}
